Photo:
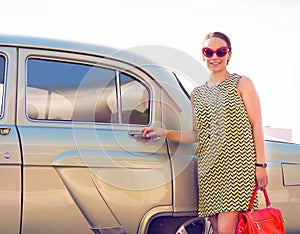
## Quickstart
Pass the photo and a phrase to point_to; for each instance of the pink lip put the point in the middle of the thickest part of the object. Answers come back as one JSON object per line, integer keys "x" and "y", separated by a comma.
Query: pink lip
{"x": 215, "y": 63}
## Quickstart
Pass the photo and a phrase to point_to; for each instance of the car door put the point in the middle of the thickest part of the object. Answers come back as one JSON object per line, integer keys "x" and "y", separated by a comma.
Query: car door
{"x": 10, "y": 157}
{"x": 84, "y": 165}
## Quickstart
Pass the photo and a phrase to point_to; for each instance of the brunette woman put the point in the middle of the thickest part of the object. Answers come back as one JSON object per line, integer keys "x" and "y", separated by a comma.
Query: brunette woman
{"x": 228, "y": 127}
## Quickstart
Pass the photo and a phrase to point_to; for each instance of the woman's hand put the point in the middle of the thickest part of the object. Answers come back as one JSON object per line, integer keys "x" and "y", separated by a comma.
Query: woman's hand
{"x": 176, "y": 136}
{"x": 261, "y": 177}
{"x": 154, "y": 131}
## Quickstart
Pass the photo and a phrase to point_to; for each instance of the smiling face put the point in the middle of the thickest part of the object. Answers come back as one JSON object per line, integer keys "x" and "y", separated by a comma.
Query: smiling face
{"x": 216, "y": 64}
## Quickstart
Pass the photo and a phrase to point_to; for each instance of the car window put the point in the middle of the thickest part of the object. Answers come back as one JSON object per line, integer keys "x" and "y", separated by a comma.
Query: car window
{"x": 2, "y": 74}
{"x": 69, "y": 91}
{"x": 78, "y": 92}
{"x": 135, "y": 101}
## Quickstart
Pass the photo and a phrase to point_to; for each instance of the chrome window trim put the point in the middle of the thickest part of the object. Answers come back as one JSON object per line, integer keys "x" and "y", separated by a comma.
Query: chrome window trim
{"x": 2, "y": 107}
{"x": 119, "y": 99}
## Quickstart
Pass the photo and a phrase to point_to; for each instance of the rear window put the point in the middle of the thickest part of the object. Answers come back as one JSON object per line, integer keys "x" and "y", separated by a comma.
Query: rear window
{"x": 69, "y": 91}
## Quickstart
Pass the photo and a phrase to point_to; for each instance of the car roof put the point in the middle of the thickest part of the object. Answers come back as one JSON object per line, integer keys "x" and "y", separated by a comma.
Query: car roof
{"x": 69, "y": 46}
{"x": 166, "y": 81}
{"x": 124, "y": 55}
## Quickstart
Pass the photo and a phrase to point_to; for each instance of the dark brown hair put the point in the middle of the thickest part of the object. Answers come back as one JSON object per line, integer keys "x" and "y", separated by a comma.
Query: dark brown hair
{"x": 221, "y": 36}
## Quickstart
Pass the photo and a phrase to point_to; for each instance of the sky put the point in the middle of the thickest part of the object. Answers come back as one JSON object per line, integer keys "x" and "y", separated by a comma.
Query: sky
{"x": 265, "y": 36}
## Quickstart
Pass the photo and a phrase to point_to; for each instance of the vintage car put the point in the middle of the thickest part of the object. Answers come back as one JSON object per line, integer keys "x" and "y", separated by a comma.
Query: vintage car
{"x": 73, "y": 159}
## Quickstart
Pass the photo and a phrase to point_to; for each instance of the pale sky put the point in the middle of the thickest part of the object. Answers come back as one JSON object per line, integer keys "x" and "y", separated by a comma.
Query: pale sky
{"x": 265, "y": 36}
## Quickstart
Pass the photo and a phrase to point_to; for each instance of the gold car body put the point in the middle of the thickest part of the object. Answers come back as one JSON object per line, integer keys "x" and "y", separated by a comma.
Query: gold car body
{"x": 71, "y": 161}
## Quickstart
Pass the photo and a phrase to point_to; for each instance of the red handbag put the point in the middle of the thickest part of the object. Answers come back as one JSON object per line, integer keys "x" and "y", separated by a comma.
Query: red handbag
{"x": 267, "y": 220}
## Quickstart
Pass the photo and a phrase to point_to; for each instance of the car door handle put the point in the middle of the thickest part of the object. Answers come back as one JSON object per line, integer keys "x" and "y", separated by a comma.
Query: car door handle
{"x": 139, "y": 134}
{"x": 135, "y": 133}
{"x": 4, "y": 131}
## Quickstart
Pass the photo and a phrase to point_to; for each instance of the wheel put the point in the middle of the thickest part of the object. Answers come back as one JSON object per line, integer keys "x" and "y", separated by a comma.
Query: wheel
{"x": 196, "y": 225}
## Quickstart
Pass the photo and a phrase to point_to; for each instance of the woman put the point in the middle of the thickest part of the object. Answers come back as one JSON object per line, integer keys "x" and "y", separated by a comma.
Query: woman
{"x": 228, "y": 126}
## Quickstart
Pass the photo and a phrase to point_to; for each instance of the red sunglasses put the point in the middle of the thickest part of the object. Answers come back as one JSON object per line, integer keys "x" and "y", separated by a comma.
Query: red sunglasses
{"x": 220, "y": 52}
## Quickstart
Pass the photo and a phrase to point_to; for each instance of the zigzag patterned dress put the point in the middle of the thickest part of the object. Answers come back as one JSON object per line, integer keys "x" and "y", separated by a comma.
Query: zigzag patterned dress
{"x": 226, "y": 154}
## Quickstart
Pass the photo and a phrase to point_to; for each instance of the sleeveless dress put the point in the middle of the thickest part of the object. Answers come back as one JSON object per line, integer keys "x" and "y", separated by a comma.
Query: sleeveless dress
{"x": 226, "y": 153}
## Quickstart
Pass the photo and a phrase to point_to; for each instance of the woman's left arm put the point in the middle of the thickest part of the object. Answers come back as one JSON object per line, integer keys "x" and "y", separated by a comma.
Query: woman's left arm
{"x": 250, "y": 97}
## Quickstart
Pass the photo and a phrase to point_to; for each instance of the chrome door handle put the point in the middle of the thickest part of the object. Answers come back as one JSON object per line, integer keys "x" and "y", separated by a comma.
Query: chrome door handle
{"x": 4, "y": 131}
{"x": 135, "y": 133}
{"x": 139, "y": 134}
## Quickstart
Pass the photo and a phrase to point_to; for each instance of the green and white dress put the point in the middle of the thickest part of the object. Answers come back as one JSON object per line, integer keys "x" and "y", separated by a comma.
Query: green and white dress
{"x": 226, "y": 154}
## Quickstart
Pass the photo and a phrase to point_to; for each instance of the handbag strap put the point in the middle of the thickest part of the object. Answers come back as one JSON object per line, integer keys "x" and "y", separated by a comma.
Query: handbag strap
{"x": 268, "y": 203}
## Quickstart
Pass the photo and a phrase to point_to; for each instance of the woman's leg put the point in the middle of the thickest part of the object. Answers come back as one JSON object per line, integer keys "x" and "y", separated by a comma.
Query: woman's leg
{"x": 227, "y": 222}
{"x": 214, "y": 223}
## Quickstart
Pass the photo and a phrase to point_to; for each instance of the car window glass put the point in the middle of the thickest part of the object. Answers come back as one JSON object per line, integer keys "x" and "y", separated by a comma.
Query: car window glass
{"x": 2, "y": 72}
{"x": 69, "y": 91}
{"x": 135, "y": 101}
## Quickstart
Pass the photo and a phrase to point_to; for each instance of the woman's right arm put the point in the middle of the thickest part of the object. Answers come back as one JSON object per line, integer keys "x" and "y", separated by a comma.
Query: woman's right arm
{"x": 183, "y": 137}
{"x": 177, "y": 136}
